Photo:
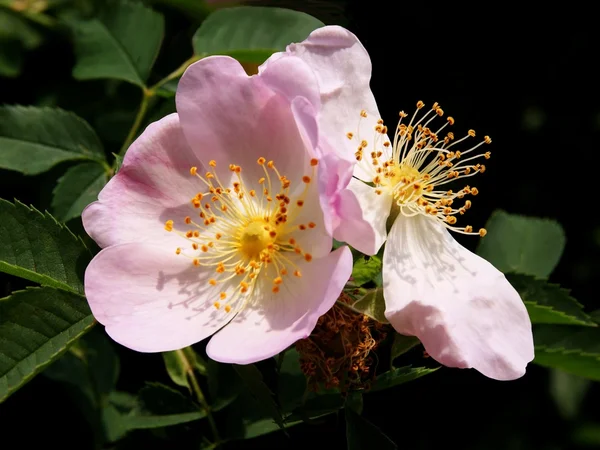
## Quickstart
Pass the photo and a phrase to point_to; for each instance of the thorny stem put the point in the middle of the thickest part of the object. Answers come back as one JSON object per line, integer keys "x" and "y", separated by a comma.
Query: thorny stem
{"x": 189, "y": 369}
{"x": 147, "y": 95}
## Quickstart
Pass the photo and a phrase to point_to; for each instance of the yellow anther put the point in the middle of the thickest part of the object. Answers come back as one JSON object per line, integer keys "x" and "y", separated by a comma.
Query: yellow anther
{"x": 169, "y": 225}
{"x": 193, "y": 171}
{"x": 212, "y": 163}
{"x": 482, "y": 232}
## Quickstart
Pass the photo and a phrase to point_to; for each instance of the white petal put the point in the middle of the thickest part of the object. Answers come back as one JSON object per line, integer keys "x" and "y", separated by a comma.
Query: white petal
{"x": 462, "y": 308}
{"x": 363, "y": 216}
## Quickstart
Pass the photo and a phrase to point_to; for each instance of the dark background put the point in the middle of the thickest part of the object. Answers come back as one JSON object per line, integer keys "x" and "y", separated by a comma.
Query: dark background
{"x": 527, "y": 78}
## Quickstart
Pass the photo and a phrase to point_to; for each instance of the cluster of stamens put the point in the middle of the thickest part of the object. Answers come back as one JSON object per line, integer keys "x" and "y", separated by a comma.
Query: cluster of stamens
{"x": 340, "y": 351}
{"x": 242, "y": 231}
{"x": 418, "y": 164}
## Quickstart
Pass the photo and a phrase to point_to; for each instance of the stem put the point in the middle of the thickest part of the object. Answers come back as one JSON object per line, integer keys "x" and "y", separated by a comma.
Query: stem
{"x": 175, "y": 74}
{"x": 138, "y": 121}
{"x": 199, "y": 395}
{"x": 148, "y": 93}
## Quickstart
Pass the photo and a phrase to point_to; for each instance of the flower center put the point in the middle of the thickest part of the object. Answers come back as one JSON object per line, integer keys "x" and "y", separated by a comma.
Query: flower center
{"x": 415, "y": 168}
{"x": 254, "y": 239}
{"x": 246, "y": 231}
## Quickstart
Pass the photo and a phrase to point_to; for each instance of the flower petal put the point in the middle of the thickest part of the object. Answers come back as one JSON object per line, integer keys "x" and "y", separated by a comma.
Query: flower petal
{"x": 150, "y": 300}
{"x": 462, "y": 309}
{"x": 275, "y": 321}
{"x": 343, "y": 70}
{"x": 153, "y": 183}
{"x": 232, "y": 118}
{"x": 363, "y": 215}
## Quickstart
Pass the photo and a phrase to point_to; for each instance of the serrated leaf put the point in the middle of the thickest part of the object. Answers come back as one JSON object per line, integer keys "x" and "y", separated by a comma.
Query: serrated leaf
{"x": 33, "y": 140}
{"x": 122, "y": 43}
{"x": 402, "y": 344}
{"x": 399, "y": 376}
{"x": 36, "y": 247}
{"x": 363, "y": 435}
{"x": 549, "y": 303}
{"x": 522, "y": 244}
{"x": 252, "y": 33}
{"x": 180, "y": 363}
{"x": 36, "y": 327}
{"x": 370, "y": 304}
{"x": 365, "y": 270}
{"x": 160, "y": 406}
{"x": 77, "y": 188}
{"x": 253, "y": 379}
{"x": 573, "y": 349}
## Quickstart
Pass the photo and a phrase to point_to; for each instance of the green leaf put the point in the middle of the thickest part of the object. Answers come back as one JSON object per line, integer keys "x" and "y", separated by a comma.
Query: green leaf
{"x": 522, "y": 244}
{"x": 36, "y": 247}
{"x": 260, "y": 391}
{"x": 180, "y": 363}
{"x": 250, "y": 33}
{"x": 568, "y": 392}
{"x": 366, "y": 270}
{"x": 76, "y": 189}
{"x": 402, "y": 344}
{"x": 363, "y": 435}
{"x": 160, "y": 406}
{"x": 122, "y": 43}
{"x": 573, "y": 349}
{"x": 291, "y": 384}
{"x": 399, "y": 376}
{"x": 549, "y": 303}
{"x": 36, "y": 327}
{"x": 33, "y": 140}
{"x": 370, "y": 304}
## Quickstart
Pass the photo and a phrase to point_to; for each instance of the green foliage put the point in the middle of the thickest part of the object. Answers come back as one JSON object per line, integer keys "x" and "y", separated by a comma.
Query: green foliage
{"x": 33, "y": 140}
{"x": 401, "y": 375}
{"x": 549, "y": 303}
{"x": 366, "y": 270}
{"x": 522, "y": 244}
{"x": 573, "y": 349}
{"x": 181, "y": 363}
{"x": 265, "y": 400}
{"x": 121, "y": 43}
{"x": 36, "y": 326}
{"x": 77, "y": 188}
{"x": 252, "y": 34}
{"x": 370, "y": 303}
{"x": 34, "y": 246}
{"x": 402, "y": 344}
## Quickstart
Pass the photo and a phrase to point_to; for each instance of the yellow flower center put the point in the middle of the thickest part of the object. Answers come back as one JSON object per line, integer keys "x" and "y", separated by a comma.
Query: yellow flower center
{"x": 245, "y": 230}
{"x": 254, "y": 238}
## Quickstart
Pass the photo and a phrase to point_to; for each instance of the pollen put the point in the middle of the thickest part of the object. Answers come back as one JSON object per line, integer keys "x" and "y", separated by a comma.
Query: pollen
{"x": 423, "y": 157}
{"x": 255, "y": 222}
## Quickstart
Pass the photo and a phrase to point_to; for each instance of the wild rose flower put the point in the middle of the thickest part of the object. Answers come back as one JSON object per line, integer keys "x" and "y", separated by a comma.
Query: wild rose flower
{"x": 213, "y": 224}
{"x": 462, "y": 309}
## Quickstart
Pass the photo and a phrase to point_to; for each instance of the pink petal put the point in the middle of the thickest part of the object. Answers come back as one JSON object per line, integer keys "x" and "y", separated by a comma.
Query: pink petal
{"x": 343, "y": 70}
{"x": 151, "y": 300}
{"x": 462, "y": 309}
{"x": 362, "y": 217}
{"x": 232, "y": 118}
{"x": 275, "y": 321}
{"x": 152, "y": 186}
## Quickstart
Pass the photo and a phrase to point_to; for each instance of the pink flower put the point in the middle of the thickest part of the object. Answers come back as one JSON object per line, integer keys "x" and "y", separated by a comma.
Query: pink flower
{"x": 214, "y": 224}
{"x": 462, "y": 309}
